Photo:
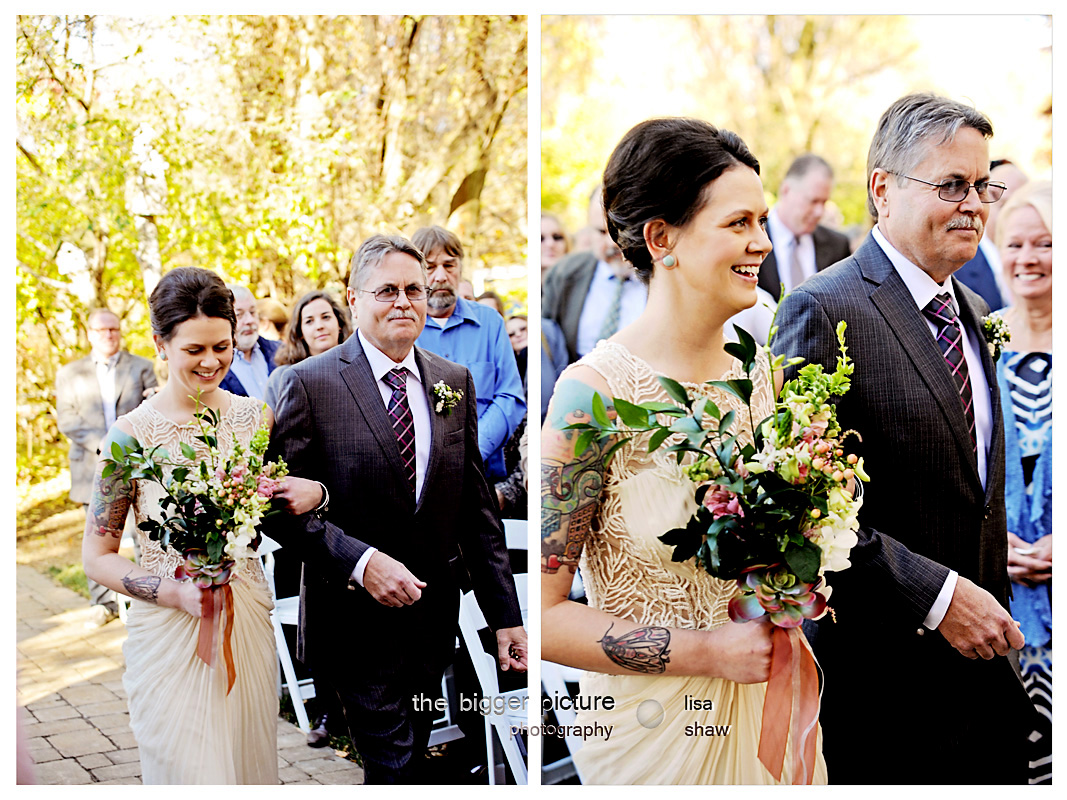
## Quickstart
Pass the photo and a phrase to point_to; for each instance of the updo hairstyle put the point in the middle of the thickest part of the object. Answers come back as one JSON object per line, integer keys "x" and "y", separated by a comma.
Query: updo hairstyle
{"x": 663, "y": 169}
{"x": 187, "y": 292}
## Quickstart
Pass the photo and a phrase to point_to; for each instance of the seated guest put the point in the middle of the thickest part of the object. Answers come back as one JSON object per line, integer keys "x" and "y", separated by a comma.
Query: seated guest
{"x": 318, "y": 323}
{"x": 253, "y": 358}
{"x": 1024, "y": 372}
{"x": 553, "y": 361}
{"x": 472, "y": 335}
{"x": 272, "y": 318}
{"x": 591, "y": 295}
{"x": 983, "y": 273}
{"x": 554, "y": 244}
{"x": 493, "y": 300}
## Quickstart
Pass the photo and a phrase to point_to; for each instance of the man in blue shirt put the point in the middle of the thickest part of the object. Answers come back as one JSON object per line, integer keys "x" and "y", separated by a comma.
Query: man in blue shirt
{"x": 472, "y": 335}
{"x": 253, "y": 357}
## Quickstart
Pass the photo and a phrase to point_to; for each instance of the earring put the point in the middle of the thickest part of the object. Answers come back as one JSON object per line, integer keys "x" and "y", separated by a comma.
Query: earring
{"x": 669, "y": 261}
{"x": 162, "y": 355}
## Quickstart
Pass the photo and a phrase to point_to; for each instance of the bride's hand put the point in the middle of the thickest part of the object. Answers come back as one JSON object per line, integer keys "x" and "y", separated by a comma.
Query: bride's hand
{"x": 300, "y": 495}
{"x": 189, "y": 598}
{"x": 743, "y": 651}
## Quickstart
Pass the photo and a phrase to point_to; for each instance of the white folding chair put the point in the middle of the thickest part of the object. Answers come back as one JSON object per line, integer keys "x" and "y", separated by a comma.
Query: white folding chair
{"x": 554, "y": 680}
{"x": 286, "y": 612}
{"x": 507, "y": 710}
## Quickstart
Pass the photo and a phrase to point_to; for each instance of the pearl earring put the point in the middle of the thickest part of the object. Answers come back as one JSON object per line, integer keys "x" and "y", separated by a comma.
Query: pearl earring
{"x": 162, "y": 355}
{"x": 669, "y": 261}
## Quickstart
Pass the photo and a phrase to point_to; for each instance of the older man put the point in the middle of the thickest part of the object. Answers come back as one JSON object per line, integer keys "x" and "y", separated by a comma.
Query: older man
{"x": 802, "y": 246}
{"x": 919, "y": 687}
{"x": 389, "y": 429}
{"x": 91, "y": 393}
{"x": 592, "y": 294}
{"x": 473, "y": 335}
{"x": 253, "y": 359}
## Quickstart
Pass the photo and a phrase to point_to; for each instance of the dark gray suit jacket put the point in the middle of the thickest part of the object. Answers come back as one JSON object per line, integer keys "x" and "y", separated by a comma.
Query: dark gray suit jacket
{"x": 332, "y": 426}
{"x": 830, "y": 247}
{"x": 901, "y": 705}
{"x": 563, "y": 295}
{"x": 80, "y": 411}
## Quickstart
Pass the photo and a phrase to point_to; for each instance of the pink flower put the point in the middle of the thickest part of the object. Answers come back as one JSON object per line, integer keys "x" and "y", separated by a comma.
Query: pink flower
{"x": 720, "y": 501}
{"x": 267, "y": 486}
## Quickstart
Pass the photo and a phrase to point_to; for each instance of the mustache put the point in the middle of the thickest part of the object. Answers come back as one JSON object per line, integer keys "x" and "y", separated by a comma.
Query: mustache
{"x": 965, "y": 223}
{"x": 442, "y": 287}
{"x": 403, "y": 314}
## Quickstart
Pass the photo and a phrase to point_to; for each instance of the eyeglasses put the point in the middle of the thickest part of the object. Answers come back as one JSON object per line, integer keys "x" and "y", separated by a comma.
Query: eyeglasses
{"x": 389, "y": 294}
{"x": 956, "y": 190}
{"x": 112, "y": 331}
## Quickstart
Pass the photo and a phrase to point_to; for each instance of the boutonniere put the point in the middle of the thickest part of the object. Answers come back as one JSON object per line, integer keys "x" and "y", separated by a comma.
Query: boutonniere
{"x": 997, "y": 333}
{"x": 446, "y": 398}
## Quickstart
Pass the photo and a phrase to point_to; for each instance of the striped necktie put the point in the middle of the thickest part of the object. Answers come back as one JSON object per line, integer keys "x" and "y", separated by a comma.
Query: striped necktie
{"x": 950, "y": 339}
{"x": 403, "y": 423}
{"x": 796, "y": 269}
{"x": 611, "y": 319}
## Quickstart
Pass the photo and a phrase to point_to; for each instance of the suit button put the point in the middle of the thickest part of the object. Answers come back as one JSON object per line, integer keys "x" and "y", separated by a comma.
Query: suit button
{"x": 920, "y": 632}
{"x": 988, "y": 512}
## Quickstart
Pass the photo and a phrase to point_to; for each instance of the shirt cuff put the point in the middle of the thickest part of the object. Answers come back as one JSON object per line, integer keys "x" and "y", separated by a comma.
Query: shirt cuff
{"x": 941, "y": 604}
{"x": 361, "y": 566}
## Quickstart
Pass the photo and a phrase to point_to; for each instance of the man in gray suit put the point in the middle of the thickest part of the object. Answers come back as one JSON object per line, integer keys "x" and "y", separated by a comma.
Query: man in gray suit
{"x": 918, "y": 685}
{"x": 802, "y": 246}
{"x": 91, "y": 393}
{"x": 591, "y": 295}
{"x": 376, "y": 421}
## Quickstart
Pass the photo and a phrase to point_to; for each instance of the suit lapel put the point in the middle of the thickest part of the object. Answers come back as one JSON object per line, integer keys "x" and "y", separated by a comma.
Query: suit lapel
{"x": 358, "y": 377}
{"x": 768, "y": 277}
{"x": 896, "y": 305}
{"x": 437, "y": 429}
{"x": 123, "y": 376}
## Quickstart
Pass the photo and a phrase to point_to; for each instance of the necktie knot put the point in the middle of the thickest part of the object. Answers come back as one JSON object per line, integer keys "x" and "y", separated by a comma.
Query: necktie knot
{"x": 940, "y": 309}
{"x": 396, "y": 378}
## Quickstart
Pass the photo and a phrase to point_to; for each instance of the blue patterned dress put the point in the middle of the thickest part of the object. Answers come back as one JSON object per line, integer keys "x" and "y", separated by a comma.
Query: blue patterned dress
{"x": 1026, "y": 395}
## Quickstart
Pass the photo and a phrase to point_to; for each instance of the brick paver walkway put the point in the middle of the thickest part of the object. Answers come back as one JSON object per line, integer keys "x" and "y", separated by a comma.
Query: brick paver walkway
{"x": 73, "y": 708}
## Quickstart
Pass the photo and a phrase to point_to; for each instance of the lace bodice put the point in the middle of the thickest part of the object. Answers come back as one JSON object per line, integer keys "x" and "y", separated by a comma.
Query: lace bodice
{"x": 627, "y": 571}
{"x": 151, "y": 429}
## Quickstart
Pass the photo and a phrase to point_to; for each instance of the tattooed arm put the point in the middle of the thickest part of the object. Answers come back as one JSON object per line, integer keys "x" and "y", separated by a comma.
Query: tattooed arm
{"x": 104, "y": 520}
{"x": 585, "y": 637}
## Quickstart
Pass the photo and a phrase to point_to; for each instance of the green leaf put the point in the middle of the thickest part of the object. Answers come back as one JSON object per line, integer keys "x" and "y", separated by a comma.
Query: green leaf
{"x": 583, "y": 442}
{"x": 675, "y": 390}
{"x": 686, "y": 425}
{"x": 117, "y": 452}
{"x": 804, "y": 560}
{"x": 633, "y": 416}
{"x": 188, "y": 451}
{"x": 663, "y": 408}
{"x": 109, "y": 467}
{"x": 657, "y": 439}
{"x": 744, "y": 349}
{"x": 600, "y": 412}
{"x": 726, "y": 422}
{"x": 613, "y": 448}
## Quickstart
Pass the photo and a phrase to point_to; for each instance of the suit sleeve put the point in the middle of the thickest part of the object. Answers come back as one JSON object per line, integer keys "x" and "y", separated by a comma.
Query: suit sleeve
{"x": 317, "y": 540}
{"x": 69, "y": 417}
{"x": 485, "y": 554}
{"x": 148, "y": 377}
{"x": 502, "y": 416}
{"x": 904, "y": 581}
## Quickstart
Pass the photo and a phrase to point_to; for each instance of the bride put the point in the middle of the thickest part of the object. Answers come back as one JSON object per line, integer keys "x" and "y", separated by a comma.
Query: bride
{"x": 188, "y": 728}
{"x": 685, "y": 204}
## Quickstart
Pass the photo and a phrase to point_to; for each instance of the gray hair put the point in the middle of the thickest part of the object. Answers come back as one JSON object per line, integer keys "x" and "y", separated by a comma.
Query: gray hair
{"x": 374, "y": 250}
{"x": 910, "y": 127}
{"x": 240, "y": 291}
{"x": 806, "y": 163}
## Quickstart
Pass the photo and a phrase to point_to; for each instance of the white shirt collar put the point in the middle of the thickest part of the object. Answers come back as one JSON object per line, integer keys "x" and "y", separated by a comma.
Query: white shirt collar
{"x": 106, "y": 362}
{"x": 778, "y": 230}
{"x": 380, "y": 363}
{"x": 922, "y": 287}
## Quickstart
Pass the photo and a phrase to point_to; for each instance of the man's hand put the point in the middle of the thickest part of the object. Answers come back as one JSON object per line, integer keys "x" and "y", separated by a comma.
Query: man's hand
{"x": 1034, "y": 565}
{"x": 389, "y": 582}
{"x": 299, "y": 494}
{"x": 511, "y": 649}
{"x": 977, "y": 625}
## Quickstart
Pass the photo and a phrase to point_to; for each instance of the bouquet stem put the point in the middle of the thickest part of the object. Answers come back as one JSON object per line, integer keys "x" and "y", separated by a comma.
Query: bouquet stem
{"x": 792, "y": 697}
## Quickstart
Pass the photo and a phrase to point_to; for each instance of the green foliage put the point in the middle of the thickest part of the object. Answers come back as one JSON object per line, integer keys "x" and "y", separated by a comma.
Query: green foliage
{"x": 72, "y": 577}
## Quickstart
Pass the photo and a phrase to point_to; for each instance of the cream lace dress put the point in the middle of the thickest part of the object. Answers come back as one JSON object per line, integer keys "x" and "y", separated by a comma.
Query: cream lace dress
{"x": 188, "y": 730}
{"x": 628, "y": 573}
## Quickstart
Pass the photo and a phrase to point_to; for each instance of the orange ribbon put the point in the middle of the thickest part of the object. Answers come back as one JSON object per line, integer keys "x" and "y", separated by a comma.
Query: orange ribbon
{"x": 214, "y": 612}
{"x": 792, "y": 696}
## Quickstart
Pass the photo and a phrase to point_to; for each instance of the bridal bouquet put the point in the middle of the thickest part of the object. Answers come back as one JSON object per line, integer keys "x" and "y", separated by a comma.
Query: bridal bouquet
{"x": 212, "y": 508}
{"x": 775, "y": 513}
